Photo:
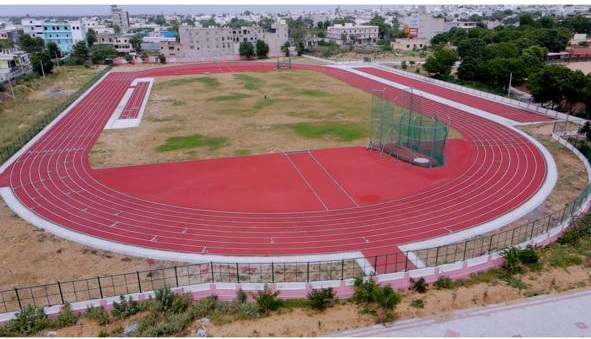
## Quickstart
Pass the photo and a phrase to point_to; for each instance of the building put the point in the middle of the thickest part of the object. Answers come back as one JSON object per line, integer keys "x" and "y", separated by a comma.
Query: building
{"x": 120, "y": 17}
{"x": 14, "y": 63}
{"x": 409, "y": 44}
{"x": 10, "y": 35}
{"x": 63, "y": 33}
{"x": 422, "y": 25}
{"x": 353, "y": 34}
{"x": 223, "y": 42}
{"x": 119, "y": 42}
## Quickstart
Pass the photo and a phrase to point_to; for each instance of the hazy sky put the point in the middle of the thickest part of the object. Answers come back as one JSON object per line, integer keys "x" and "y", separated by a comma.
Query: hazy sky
{"x": 57, "y": 10}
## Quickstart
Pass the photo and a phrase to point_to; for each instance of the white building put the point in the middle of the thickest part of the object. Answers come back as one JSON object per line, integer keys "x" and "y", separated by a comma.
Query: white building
{"x": 353, "y": 34}
{"x": 423, "y": 25}
{"x": 14, "y": 63}
{"x": 407, "y": 44}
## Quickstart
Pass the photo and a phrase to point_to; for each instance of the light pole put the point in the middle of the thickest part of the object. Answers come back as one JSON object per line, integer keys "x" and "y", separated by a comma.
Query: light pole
{"x": 11, "y": 88}
{"x": 42, "y": 70}
{"x": 509, "y": 88}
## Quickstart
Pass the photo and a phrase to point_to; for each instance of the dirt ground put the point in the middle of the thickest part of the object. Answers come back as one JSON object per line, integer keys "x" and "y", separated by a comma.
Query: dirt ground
{"x": 584, "y": 66}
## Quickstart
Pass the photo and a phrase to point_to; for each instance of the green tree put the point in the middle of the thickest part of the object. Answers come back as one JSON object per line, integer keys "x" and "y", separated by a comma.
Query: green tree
{"x": 210, "y": 22}
{"x": 266, "y": 23}
{"x": 30, "y": 44}
{"x": 42, "y": 63}
{"x": 98, "y": 53}
{"x": 116, "y": 29}
{"x": 246, "y": 50}
{"x": 160, "y": 20}
{"x": 533, "y": 58}
{"x": 90, "y": 37}
{"x": 136, "y": 43}
{"x": 79, "y": 53}
{"x": 469, "y": 70}
{"x": 470, "y": 47}
{"x": 53, "y": 50}
{"x": 526, "y": 19}
{"x": 575, "y": 88}
{"x": 555, "y": 40}
{"x": 546, "y": 85}
{"x": 262, "y": 49}
{"x": 384, "y": 30}
{"x": 285, "y": 48}
{"x": 439, "y": 64}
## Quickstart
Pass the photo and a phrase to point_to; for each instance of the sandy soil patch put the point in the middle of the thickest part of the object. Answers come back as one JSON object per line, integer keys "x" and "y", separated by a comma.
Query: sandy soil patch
{"x": 583, "y": 66}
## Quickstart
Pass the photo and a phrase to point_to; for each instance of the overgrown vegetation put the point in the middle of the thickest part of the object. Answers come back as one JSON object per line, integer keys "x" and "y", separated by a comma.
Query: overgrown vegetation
{"x": 125, "y": 308}
{"x": 370, "y": 294}
{"x": 321, "y": 299}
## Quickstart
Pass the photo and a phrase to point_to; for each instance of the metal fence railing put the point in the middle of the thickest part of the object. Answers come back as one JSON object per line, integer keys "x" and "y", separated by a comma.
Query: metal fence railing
{"x": 7, "y": 151}
{"x": 14, "y": 299}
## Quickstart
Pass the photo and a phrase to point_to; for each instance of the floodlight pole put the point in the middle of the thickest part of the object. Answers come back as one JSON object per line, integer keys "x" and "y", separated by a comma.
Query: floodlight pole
{"x": 42, "y": 70}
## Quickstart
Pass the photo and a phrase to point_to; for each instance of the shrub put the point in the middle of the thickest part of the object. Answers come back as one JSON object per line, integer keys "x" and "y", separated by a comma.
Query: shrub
{"x": 364, "y": 290}
{"x": 241, "y": 296}
{"x": 511, "y": 264}
{"x": 29, "y": 320}
{"x": 97, "y": 314}
{"x": 65, "y": 318}
{"x": 164, "y": 299}
{"x": 528, "y": 256}
{"x": 266, "y": 300}
{"x": 443, "y": 283}
{"x": 321, "y": 299}
{"x": 419, "y": 285}
{"x": 125, "y": 308}
{"x": 166, "y": 326}
{"x": 417, "y": 303}
{"x": 204, "y": 306}
{"x": 103, "y": 334}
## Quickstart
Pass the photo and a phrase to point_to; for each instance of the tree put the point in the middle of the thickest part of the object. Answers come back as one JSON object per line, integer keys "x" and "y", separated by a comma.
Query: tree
{"x": 469, "y": 70}
{"x": 79, "y": 53}
{"x": 98, "y": 53}
{"x": 30, "y": 44}
{"x": 546, "y": 85}
{"x": 285, "y": 48}
{"x": 470, "y": 47}
{"x": 533, "y": 58}
{"x": 555, "y": 40}
{"x": 574, "y": 89}
{"x": 160, "y": 20}
{"x": 208, "y": 22}
{"x": 53, "y": 50}
{"x": 439, "y": 64}
{"x": 384, "y": 30}
{"x": 42, "y": 63}
{"x": 116, "y": 29}
{"x": 90, "y": 37}
{"x": 262, "y": 49}
{"x": 266, "y": 23}
{"x": 526, "y": 19}
{"x": 136, "y": 43}
{"x": 246, "y": 50}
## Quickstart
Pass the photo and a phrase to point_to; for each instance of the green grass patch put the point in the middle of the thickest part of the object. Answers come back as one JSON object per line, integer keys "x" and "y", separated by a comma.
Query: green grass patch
{"x": 314, "y": 93}
{"x": 229, "y": 97}
{"x": 192, "y": 141}
{"x": 342, "y": 131}
{"x": 250, "y": 82}
{"x": 208, "y": 82}
{"x": 262, "y": 103}
{"x": 563, "y": 257}
{"x": 242, "y": 152}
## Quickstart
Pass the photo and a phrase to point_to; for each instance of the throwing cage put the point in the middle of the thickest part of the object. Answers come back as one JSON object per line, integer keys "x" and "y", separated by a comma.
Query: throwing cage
{"x": 400, "y": 130}
{"x": 284, "y": 63}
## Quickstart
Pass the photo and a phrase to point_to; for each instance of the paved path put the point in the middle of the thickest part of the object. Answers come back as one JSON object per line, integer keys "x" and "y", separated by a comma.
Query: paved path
{"x": 564, "y": 315}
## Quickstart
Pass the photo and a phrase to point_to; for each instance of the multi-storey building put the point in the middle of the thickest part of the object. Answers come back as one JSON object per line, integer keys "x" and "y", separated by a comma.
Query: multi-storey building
{"x": 14, "y": 63}
{"x": 423, "y": 25}
{"x": 65, "y": 33}
{"x": 120, "y": 17}
{"x": 223, "y": 42}
{"x": 353, "y": 34}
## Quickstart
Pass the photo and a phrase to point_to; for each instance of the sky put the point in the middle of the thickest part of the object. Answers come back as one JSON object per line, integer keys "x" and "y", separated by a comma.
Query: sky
{"x": 136, "y": 7}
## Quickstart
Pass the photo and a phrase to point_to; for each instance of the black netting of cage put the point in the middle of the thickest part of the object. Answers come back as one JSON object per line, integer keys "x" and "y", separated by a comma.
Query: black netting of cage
{"x": 400, "y": 130}
{"x": 284, "y": 63}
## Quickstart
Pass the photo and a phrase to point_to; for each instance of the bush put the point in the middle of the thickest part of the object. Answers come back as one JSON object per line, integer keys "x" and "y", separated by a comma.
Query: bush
{"x": 29, "y": 320}
{"x": 266, "y": 300}
{"x": 417, "y": 303}
{"x": 419, "y": 285}
{"x": 321, "y": 299}
{"x": 204, "y": 306}
{"x": 125, "y": 308}
{"x": 97, "y": 314}
{"x": 528, "y": 256}
{"x": 511, "y": 264}
{"x": 443, "y": 283}
{"x": 164, "y": 299}
{"x": 241, "y": 296}
{"x": 65, "y": 318}
{"x": 169, "y": 325}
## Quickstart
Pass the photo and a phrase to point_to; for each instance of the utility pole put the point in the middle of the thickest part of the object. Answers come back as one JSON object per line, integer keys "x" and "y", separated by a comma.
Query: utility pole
{"x": 42, "y": 70}
{"x": 57, "y": 59}
{"x": 509, "y": 88}
{"x": 11, "y": 88}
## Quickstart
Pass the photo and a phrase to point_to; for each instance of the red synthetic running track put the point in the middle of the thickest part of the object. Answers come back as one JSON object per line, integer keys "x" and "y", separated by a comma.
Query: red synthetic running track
{"x": 506, "y": 111}
{"x": 132, "y": 107}
{"x": 500, "y": 170}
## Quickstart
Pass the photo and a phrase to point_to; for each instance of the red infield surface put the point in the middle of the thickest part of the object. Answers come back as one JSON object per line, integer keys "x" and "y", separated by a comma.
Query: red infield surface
{"x": 323, "y": 201}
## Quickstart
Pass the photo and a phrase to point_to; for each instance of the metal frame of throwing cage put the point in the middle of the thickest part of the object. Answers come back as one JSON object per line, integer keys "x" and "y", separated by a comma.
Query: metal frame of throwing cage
{"x": 401, "y": 130}
{"x": 284, "y": 63}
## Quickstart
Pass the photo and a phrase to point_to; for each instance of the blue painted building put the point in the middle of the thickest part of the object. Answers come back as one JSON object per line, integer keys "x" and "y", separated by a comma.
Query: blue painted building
{"x": 65, "y": 34}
